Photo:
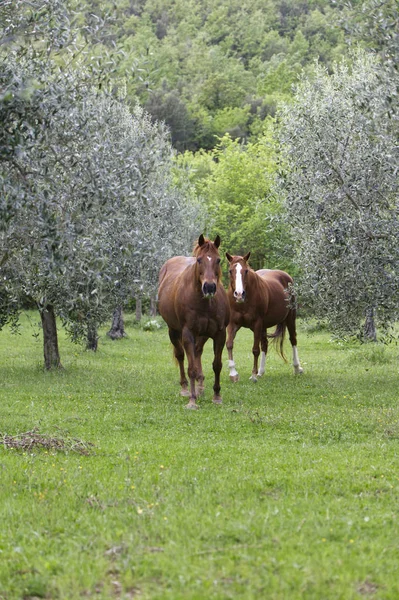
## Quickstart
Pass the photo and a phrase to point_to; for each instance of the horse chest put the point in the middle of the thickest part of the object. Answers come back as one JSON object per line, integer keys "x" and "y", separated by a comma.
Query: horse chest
{"x": 246, "y": 315}
{"x": 204, "y": 318}
{"x": 204, "y": 326}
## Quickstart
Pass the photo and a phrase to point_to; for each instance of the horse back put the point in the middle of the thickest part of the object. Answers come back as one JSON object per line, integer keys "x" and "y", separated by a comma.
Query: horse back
{"x": 274, "y": 275}
{"x": 174, "y": 267}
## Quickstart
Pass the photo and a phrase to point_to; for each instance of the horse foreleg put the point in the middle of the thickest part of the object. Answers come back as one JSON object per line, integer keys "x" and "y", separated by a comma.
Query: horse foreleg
{"x": 291, "y": 326}
{"x": 231, "y": 333}
{"x": 263, "y": 346}
{"x": 189, "y": 347}
{"x": 218, "y": 345}
{"x": 178, "y": 350}
{"x": 256, "y": 352}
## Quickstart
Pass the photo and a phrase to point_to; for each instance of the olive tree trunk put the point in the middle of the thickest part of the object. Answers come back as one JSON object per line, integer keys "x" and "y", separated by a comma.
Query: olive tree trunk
{"x": 370, "y": 333}
{"x": 50, "y": 338}
{"x": 139, "y": 309}
{"x": 117, "y": 330}
{"x": 153, "y": 306}
{"x": 92, "y": 338}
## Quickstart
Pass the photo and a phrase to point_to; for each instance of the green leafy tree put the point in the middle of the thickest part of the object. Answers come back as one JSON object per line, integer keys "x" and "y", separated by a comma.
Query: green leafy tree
{"x": 167, "y": 106}
{"x": 236, "y": 184}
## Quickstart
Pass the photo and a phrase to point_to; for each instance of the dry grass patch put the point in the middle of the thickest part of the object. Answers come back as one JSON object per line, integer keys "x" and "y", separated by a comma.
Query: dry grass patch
{"x": 32, "y": 440}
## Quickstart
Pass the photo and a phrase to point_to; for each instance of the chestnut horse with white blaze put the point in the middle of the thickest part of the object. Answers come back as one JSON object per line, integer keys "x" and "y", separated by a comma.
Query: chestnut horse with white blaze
{"x": 259, "y": 300}
{"x": 194, "y": 304}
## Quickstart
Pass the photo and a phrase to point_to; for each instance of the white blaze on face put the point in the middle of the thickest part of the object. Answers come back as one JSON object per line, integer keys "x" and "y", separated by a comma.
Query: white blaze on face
{"x": 239, "y": 285}
{"x": 209, "y": 258}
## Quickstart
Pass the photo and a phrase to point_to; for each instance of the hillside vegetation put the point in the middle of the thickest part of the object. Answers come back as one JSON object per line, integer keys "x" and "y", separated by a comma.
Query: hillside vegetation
{"x": 210, "y": 67}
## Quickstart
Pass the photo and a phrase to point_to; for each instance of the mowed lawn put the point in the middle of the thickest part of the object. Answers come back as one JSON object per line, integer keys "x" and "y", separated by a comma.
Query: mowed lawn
{"x": 289, "y": 490}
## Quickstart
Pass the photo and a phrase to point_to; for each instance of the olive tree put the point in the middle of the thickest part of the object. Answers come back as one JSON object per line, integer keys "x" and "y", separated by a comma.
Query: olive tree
{"x": 104, "y": 216}
{"x": 39, "y": 44}
{"x": 83, "y": 202}
{"x": 340, "y": 180}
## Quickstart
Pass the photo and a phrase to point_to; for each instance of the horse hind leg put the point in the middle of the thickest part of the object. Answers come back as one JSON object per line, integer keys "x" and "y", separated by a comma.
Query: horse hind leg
{"x": 178, "y": 352}
{"x": 263, "y": 354}
{"x": 291, "y": 326}
{"x": 256, "y": 353}
{"x": 295, "y": 361}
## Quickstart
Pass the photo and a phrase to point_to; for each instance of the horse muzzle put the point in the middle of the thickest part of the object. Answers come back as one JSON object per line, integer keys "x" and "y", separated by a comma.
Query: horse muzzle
{"x": 239, "y": 297}
{"x": 209, "y": 289}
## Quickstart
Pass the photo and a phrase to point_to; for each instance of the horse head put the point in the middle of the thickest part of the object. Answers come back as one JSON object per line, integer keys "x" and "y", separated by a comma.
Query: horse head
{"x": 208, "y": 265}
{"x": 238, "y": 271}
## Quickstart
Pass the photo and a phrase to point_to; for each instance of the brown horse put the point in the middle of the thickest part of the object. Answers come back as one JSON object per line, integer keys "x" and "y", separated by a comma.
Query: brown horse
{"x": 194, "y": 304}
{"x": 258, "y": 300}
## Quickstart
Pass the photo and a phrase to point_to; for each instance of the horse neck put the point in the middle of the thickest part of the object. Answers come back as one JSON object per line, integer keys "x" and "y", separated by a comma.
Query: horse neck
{"x": 252, "y": 281}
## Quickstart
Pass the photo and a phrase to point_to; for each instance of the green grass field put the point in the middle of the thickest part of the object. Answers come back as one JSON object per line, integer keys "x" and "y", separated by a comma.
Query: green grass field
{"x": 289, "y": 490}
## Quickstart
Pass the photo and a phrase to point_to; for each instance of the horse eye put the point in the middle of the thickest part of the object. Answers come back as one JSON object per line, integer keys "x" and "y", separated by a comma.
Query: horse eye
{"x": 199, "y": 260}
{"x": 246, "y": 271}
{"x": 218, "y": 260}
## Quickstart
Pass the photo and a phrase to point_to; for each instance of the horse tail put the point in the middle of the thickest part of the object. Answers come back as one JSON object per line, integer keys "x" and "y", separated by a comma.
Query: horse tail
{"x": 277, "y": 338}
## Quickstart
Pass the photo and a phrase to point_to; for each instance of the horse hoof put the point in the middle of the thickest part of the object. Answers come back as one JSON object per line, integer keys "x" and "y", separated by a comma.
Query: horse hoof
{"x": 217, "y": 400}
{"x": 234, "y": 378}
{"x": 253, "y": 378}
{"x": 298, "y": 370}
{"x": 199, "y": 391}
{"x": 192, "y": 405}
{"x": 184, "y": 392}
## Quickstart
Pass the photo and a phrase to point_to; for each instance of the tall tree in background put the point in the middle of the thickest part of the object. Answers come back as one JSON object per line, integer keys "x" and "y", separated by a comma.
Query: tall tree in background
{"x": 341, "y": 184}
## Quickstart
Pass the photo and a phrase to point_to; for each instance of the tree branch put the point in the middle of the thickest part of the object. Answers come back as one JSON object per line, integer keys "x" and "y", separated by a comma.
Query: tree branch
{"x": 4, "y": 259}
{"x": 345, "y": 188}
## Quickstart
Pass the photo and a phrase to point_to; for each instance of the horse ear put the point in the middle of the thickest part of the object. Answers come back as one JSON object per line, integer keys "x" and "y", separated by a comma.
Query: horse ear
{"x": 246, "y": 257}
{"x": 217, "y": 241}
{"x": 229, "y": 257}
{"x": 201, "y": 240}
